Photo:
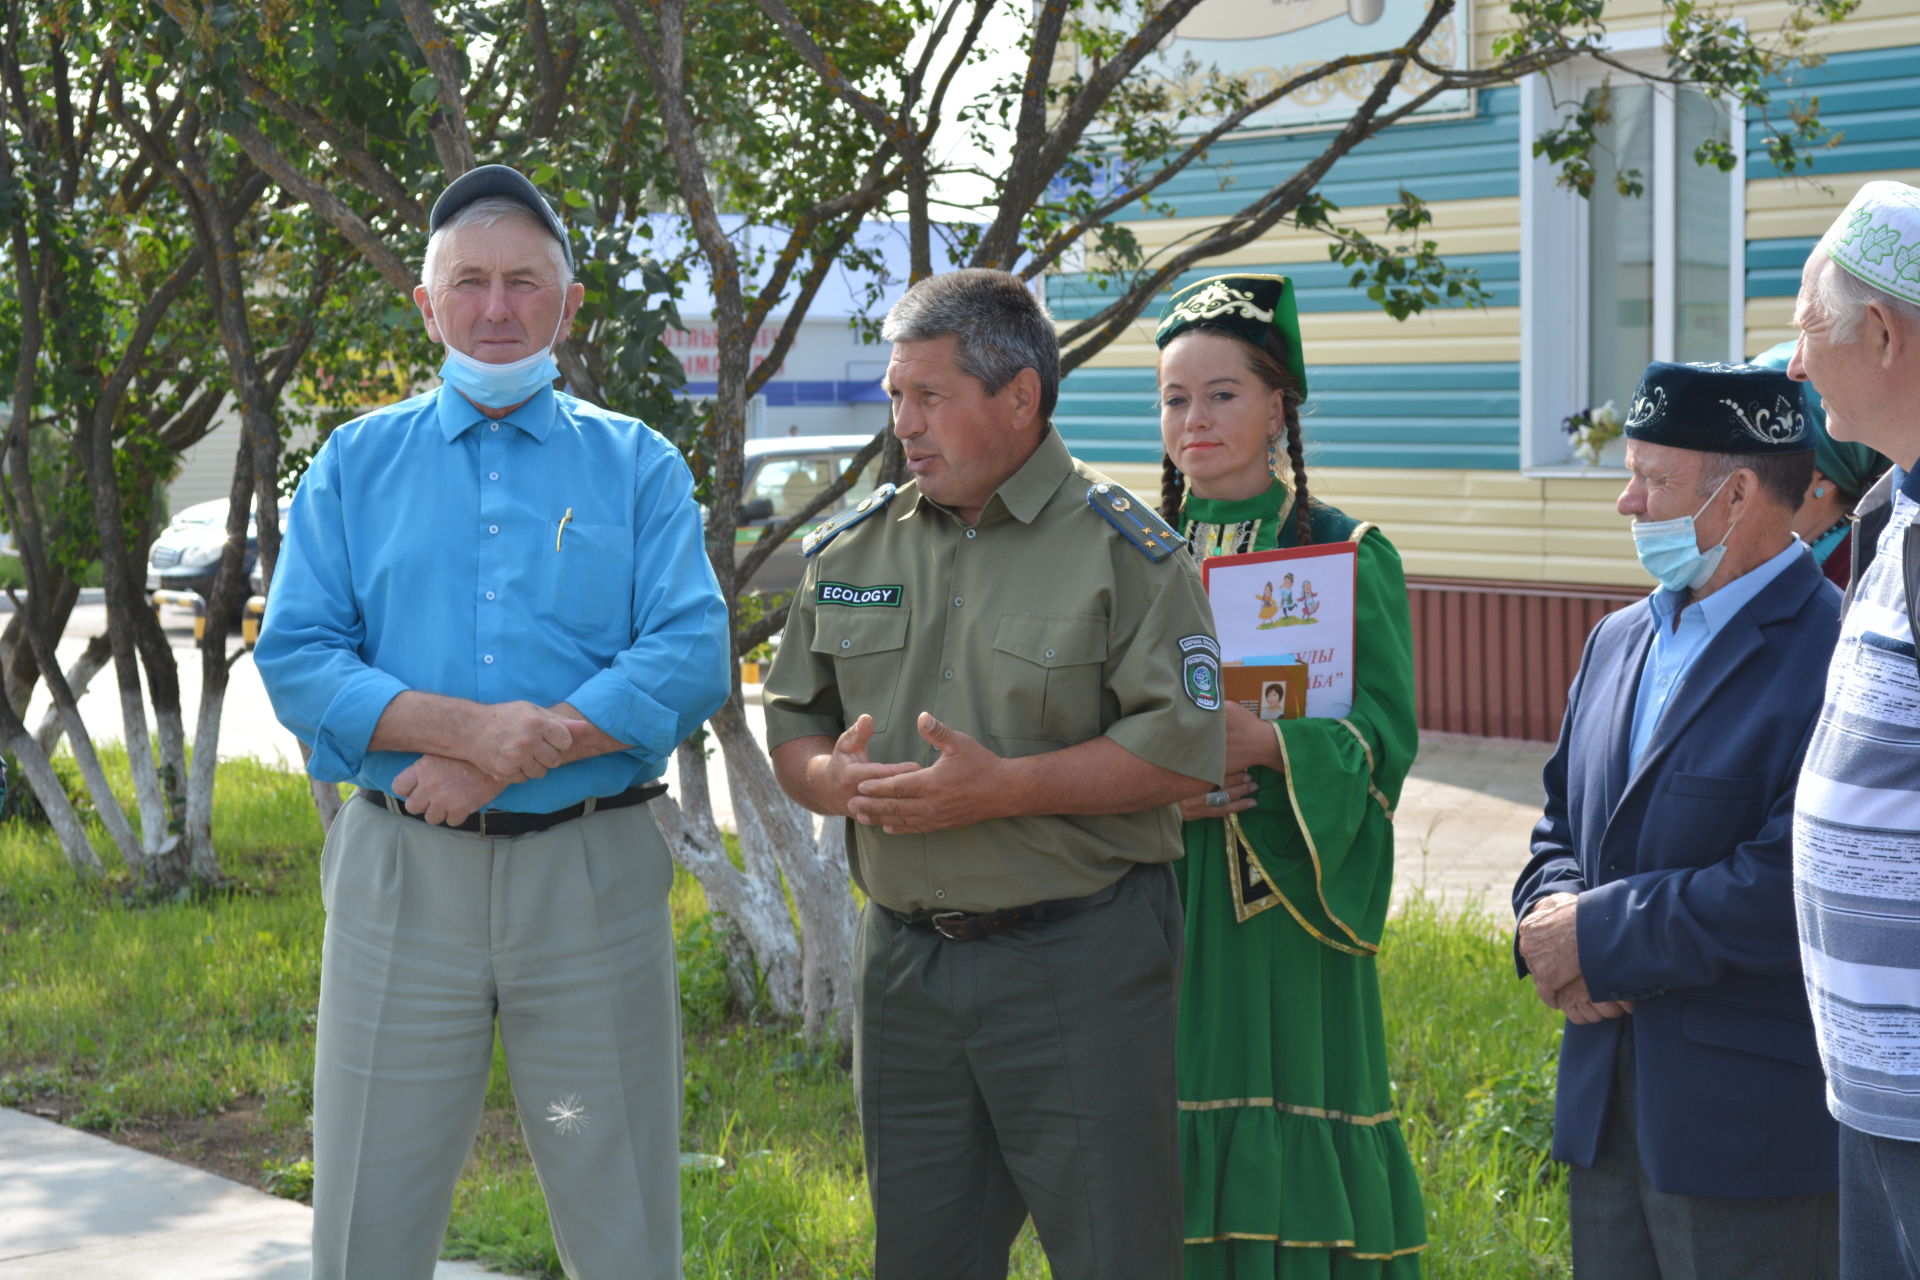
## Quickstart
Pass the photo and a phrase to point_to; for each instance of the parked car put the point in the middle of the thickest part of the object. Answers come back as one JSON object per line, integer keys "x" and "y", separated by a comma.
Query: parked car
{"x": 782, "y": 475}
{"x": 183, "y": 559}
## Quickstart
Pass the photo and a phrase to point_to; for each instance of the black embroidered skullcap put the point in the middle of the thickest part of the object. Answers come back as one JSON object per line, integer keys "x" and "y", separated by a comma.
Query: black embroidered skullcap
{"x": 1245, "y": 306}
{"x": 1719, "y": 408}
{"x": 498, "y": 180}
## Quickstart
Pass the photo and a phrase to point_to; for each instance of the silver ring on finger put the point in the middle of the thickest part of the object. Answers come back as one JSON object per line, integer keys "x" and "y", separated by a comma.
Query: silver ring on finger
{"x": 1217, "y": 798}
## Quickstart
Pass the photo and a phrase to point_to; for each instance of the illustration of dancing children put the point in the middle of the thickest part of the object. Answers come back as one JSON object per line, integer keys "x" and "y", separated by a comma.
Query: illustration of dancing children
{"x": 1309, "y": 601}
{"x": 1287, "y": 604}
{"x": 1267, "y": 607}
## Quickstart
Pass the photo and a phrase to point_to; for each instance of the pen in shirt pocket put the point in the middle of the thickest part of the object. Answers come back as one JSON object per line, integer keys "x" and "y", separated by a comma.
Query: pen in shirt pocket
{"x": 561, "y": 532}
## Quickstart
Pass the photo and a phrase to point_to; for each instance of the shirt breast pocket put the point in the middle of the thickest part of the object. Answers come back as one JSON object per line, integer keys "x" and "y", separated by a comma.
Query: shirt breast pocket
{"x": 586, "y": 588}
{"x": 867, "y": 647}
{"x": 1047, "y": 677}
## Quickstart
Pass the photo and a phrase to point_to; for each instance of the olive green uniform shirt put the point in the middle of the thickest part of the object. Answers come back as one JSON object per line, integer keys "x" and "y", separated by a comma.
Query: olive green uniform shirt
{"x": 1038, "y": 628}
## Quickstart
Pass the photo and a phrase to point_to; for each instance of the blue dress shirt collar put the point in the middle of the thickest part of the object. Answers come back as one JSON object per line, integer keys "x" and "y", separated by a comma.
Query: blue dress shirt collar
{"x": 456, "y": 414}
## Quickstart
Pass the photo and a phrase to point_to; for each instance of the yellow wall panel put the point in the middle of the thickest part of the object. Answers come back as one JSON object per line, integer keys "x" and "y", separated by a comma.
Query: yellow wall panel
{"x": 1478, "y": 524}
{"x": 1785, "y": 208}
{"x": 1367, "y": 337}
{"x": 1880, "y": 24}
{"x": 1459, "y": 226}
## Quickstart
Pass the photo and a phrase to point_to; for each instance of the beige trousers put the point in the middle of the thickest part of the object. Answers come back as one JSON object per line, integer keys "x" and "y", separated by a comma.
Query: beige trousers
{"x": 565, "y": 938}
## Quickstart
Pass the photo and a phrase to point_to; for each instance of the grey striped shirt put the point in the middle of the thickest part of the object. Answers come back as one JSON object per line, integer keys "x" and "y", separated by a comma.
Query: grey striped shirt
{"x": 1856, "y": 856}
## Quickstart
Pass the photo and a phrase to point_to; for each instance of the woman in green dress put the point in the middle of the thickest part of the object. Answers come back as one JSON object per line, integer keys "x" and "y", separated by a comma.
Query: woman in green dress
{"x": 1293, "y": 1158}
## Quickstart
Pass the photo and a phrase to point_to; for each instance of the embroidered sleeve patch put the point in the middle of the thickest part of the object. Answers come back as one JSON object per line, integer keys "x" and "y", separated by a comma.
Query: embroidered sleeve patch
{"x": 858, "y": 597}
{"x": 1200, "y": 671}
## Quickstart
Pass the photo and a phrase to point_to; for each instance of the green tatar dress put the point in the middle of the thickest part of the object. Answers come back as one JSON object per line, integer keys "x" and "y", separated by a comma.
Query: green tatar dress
{"x": 1292, "y": 1156}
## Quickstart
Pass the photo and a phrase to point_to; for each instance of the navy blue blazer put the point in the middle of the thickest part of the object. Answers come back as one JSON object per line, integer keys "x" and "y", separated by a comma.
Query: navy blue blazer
{"x": 1685, "y": 874}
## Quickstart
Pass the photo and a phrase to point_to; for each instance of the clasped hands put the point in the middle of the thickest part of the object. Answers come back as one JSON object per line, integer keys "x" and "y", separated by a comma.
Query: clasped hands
{"x": 1550, "y": 945}
{"x": 511, "y": 742}
{"x": 967, "y": 784}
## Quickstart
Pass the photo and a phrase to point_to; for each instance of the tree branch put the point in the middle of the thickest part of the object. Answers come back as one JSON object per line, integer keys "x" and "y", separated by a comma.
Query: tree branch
{"x": 450, "y": 137}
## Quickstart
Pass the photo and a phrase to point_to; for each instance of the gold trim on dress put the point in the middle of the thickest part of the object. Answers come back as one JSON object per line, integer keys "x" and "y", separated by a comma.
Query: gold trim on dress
{"x": 1348, "y": 1245}
{"x": 1372, "y": 790}
{"x": 1290, "y": 1108}
{"x": 1306, "y": 834}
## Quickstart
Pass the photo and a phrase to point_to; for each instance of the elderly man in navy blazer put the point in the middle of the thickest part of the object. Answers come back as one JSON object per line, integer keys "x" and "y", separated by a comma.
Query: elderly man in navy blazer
{"x": 1657, "y": 910}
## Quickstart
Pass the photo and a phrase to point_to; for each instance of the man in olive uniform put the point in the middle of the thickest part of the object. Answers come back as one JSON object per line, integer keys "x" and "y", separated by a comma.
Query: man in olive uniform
{"x": 1006, "y": 679}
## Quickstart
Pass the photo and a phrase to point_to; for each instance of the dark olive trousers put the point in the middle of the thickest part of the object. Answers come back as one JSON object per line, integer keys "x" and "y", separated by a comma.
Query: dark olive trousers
{"x": 1026, "y": 1073}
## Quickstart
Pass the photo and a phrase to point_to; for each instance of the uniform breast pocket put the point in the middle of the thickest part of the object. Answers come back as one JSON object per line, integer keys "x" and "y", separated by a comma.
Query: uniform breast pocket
{"x": 586, "y": 586}
{"x": 867, "y": 646}
{"x": 1047, "y": 672}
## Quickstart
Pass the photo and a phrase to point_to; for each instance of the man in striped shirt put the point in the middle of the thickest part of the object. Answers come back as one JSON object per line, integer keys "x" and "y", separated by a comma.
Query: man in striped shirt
{"x": 1857, "y": 821}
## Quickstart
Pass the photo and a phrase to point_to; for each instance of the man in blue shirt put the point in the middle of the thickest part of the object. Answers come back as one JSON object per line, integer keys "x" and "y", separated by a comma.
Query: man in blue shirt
{"x": 1657, "y": 910}
{"x": 493, "y": 613}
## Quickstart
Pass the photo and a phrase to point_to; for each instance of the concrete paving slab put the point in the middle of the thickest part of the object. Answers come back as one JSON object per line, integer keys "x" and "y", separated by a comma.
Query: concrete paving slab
{"x": 1465, "y": 820}
{"x": 76, "y": 1205}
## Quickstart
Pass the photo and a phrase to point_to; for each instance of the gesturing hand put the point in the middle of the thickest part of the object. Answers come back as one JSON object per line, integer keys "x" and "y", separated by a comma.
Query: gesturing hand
{"x": 848, "y": 765}
{"x": 967, "y": 784}
{"x": 443, "y": 790}
{"x": 521, "y": 741}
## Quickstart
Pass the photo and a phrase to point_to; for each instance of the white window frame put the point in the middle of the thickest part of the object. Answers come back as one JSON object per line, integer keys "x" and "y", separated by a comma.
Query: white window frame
{"x": 1554, "y": 350}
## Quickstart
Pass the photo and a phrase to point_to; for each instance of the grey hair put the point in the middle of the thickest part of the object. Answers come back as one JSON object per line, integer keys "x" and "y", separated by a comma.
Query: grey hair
{"x": 484, "y": 212}
{"x": 1843, "y": 297}
{"x": 1002, "y": 328}
{"x": 1783, "y": 477}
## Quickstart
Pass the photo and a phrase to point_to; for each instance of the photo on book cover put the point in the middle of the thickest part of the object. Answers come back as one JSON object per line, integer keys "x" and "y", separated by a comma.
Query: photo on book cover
{"x": 1285, "y": 618}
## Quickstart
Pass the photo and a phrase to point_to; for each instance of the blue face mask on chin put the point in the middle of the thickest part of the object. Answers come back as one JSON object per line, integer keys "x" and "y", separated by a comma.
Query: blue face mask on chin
{"x": 1670, "y": 550}
{"x": 499, "y": 386}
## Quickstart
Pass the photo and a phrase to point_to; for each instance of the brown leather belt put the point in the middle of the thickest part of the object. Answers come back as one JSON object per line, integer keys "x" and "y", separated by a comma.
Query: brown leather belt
{"x": 971, "y": 926}
{"x": 492, "y": 822}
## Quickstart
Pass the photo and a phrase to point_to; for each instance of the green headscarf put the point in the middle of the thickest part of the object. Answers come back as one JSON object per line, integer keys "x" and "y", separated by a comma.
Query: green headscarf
{"x": 1853, "y": 467}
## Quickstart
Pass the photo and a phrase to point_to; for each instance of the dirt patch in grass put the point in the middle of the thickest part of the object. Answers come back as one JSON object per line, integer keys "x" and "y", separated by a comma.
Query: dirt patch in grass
{"x": 239, "y": 1143}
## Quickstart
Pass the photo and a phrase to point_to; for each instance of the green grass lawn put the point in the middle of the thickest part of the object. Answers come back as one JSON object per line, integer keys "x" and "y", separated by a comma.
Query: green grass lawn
{"x": 186, "y": 1027}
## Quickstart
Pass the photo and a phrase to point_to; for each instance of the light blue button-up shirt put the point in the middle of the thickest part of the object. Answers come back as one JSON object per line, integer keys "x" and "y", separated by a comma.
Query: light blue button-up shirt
{"x": 426, "y": 550}
{"x": 1675, "y": 648}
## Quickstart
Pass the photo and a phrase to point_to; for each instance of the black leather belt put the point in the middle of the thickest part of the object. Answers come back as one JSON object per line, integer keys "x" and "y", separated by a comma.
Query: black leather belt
{"x": 971, "y": 926}
{"x": 502, "y": 824}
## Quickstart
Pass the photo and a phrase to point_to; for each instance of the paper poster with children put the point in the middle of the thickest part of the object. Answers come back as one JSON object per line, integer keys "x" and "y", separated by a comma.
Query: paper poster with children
{"x": 1278, "y": 611}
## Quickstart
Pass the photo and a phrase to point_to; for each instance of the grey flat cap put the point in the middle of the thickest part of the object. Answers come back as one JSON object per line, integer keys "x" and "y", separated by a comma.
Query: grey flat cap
{"x": 498, "y": 180}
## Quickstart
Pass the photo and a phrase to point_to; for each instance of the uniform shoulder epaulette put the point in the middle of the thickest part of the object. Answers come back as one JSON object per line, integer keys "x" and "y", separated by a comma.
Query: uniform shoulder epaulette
{"x": 1137, "y": 522}
{"x": 820, "y": 537}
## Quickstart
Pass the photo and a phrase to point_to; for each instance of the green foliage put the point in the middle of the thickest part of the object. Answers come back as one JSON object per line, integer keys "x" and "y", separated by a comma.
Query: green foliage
{"x": 289, "y": 1179}
{"x": 126, "y": 1014}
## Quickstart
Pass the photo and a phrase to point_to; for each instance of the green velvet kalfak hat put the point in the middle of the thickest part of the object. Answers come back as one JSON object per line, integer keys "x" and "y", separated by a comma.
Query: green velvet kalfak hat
{"x": 1246, "y": 306}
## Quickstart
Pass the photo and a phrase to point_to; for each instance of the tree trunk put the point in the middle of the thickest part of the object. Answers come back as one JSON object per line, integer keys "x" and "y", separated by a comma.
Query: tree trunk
{"x": 749, "y": 905}
{"x": 326, "y": 795}
{"x": 79, "y": 676}
{"x": 52, "y": 796}
{"x": 774, "y": 830}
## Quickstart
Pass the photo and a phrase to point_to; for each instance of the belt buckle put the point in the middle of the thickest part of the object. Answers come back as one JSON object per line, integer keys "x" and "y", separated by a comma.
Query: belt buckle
{"x": 481, "y": 829}
{"x": 951, "y": 924}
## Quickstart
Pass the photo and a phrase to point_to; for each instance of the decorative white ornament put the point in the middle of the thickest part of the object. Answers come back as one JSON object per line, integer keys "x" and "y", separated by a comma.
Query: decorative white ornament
{"x": 1648, "y": 409}
{"x": 1781, "y": 424}
{"x": 1218, "y": 299}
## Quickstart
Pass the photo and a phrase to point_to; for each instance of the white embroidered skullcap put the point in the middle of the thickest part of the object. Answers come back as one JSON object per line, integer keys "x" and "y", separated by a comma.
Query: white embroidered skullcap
{"x": 1878, "y": 238}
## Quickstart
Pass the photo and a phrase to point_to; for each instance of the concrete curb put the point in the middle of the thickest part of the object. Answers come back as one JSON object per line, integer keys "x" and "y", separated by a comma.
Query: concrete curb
{"x": 73, "y": 1204}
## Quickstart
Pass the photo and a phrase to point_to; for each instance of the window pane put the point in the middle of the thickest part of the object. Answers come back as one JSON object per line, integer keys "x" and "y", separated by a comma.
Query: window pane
{"x": 1705, "y": 206}
{"x": 1620, "y": 251}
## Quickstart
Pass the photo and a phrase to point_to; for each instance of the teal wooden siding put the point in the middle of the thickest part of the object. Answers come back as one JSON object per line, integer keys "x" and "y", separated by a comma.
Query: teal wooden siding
{"x": 1359, "y": 416}
{"x": 1457, "y": 415}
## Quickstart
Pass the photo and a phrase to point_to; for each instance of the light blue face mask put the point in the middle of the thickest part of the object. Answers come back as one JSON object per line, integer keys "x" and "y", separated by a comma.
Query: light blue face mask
{"x": 1670, "y": 550}
{"x": 498, "y": 386}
